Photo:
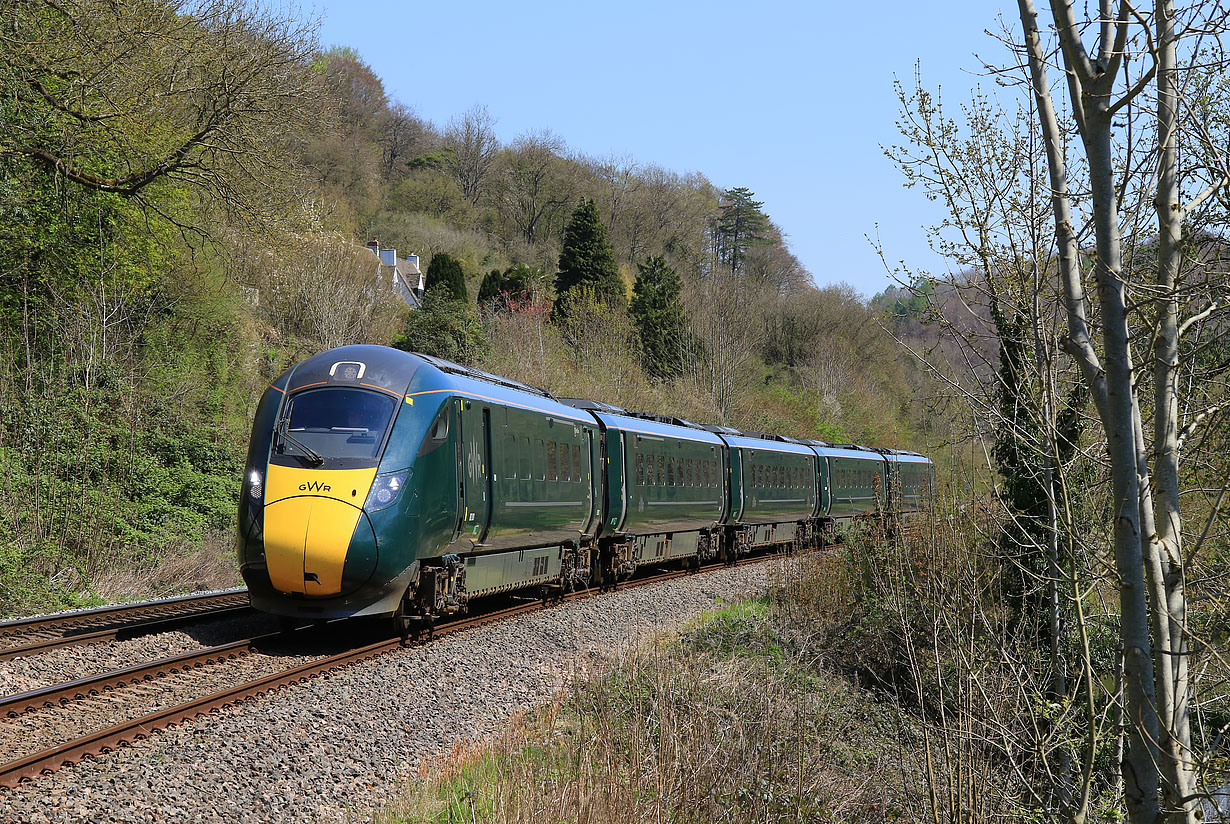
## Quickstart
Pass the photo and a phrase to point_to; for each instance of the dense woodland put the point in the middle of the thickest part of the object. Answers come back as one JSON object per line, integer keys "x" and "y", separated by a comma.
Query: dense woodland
{"x": 183, "y": 213}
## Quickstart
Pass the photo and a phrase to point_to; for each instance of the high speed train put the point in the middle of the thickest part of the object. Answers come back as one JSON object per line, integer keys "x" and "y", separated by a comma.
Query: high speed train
{"x": 380, "y": 482}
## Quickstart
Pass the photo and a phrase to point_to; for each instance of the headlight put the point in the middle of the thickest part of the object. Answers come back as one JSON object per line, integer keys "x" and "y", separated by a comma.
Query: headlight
{"x": 386, "y": 489}
{"x": 256, "y": 485}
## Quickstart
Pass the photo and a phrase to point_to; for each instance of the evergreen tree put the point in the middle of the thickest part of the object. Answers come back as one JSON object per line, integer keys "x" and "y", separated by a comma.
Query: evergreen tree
{"x": 445, "y": 277}
{"x": 588, "y": 261}
{"x": 740, "y": 226}
{"x": 658, "y": 314}
{"x": 490, "y": 288}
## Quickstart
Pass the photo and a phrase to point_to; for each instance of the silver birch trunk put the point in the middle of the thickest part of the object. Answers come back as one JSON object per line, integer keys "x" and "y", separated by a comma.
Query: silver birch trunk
{"x": 1165, "y": 545}
{"x": 1090, "y": 86}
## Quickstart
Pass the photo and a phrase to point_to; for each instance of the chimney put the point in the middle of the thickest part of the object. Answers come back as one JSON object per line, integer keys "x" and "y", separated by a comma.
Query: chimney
{"x": 374, "y": 245}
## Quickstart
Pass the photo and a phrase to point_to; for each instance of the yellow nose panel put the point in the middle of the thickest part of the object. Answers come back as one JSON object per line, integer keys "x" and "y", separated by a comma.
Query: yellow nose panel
{"x": 306, "y": 540}
{"x": 309, "y": 521}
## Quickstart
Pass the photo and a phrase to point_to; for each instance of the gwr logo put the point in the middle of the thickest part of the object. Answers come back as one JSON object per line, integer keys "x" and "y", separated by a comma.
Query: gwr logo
{"x": 314, "y": 486}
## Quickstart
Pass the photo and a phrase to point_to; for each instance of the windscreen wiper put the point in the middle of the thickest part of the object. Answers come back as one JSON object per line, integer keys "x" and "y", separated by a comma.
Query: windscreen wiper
{"x": 310, "y": 454}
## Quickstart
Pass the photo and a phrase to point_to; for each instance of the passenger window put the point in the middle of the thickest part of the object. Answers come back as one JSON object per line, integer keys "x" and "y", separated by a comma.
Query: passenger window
{"x": 551, "y": 472}
{"x": 688, "y": 473}
{"x": 510, "y": 456}
{"x": 525, "y": 459}
{"x": 670, "y": 472}
{"x": 540, "y": 461}
{"x": 565, "y": 465}
{"x": 577, "y": 475}
{"x": 661, "y": 470}
{"x": 640, "y": 469}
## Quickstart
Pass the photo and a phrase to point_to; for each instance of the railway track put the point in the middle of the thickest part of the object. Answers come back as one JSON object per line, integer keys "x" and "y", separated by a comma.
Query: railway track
{"x": 31, "y": 636}
{"x": 67, "y": 709}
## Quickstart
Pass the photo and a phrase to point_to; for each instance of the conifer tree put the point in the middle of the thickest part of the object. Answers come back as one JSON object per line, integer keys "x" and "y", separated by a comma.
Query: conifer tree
{"x": 588, "y": 261}
{"x": 742, "y": 224}
{"x": 658, "y": 314}
{"x": 490, "y": 288}
{"x": 445, "y": 277}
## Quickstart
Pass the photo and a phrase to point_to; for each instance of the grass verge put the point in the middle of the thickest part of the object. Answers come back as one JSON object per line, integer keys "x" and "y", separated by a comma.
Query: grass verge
{"x": 733, "y": 719}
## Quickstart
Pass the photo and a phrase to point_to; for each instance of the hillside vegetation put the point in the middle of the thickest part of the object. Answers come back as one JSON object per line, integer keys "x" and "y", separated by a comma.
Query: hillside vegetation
{"x": 183, "y": 217}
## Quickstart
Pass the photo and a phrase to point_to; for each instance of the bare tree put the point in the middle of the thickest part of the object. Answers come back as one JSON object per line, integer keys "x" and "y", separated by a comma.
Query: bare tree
{"x": 526, "y": 190}
{"x": 472, "y": 149}
{"x": 1147, "y": 548}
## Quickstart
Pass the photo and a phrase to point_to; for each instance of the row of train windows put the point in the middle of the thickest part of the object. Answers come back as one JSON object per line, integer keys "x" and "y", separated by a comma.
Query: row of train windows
{"x": 668, "y": 470}
{"x": 550, "y": 461}
{"x": 780, "y": 477}
{"x": 857, "y": 478}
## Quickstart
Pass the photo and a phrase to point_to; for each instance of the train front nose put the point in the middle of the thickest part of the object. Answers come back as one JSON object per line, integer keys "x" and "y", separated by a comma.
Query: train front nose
{"x": 317, "y": 542}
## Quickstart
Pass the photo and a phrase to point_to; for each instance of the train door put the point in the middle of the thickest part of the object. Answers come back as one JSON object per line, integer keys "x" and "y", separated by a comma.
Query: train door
{"x": 590, "y": 479}
{"x": 826, "y": 486}
{"x": 735, "y": 481}
{"x": 474, "y": 469}
{"x": 616, "y": 486}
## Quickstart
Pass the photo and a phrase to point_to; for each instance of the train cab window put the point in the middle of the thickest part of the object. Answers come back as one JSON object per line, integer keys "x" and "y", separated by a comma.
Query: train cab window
{"x": 576, "y": 463}
{"x": 524, "y": 474}
{"x": 565, "y": 465}
{"x": 342, "y": 424}
{"x": 640, "y": 469}
{"x": 551, "y": 471}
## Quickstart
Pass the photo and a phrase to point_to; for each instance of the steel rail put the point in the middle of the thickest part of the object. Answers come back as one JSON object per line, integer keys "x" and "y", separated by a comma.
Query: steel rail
{"x": 18, "y": 704}
{"x": 124, "y": 734}
{"x": 107, "y": 614}
{"x": 126, "y": 630}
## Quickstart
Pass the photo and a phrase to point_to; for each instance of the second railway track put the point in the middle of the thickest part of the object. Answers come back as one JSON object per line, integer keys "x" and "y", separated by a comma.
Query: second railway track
{"x": 32, "y": 636}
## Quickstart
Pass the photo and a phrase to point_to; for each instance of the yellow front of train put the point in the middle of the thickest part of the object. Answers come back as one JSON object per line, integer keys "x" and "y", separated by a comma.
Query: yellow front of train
{"x": 316, "y": 531}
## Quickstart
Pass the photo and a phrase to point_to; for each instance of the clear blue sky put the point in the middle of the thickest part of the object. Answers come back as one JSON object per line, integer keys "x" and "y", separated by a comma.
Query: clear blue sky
{"x": 790, "y": 99}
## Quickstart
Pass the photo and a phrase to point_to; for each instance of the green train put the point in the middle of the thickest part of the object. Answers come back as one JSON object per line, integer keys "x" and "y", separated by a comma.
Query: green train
{"x": 380, "y": 482}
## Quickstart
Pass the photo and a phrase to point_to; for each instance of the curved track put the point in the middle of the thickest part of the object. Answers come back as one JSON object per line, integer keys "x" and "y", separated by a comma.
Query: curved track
{"x": 138, "y": 728}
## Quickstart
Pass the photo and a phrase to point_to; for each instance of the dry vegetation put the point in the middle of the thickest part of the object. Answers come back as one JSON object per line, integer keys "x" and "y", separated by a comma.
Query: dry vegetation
{"x": 739, "y": 718}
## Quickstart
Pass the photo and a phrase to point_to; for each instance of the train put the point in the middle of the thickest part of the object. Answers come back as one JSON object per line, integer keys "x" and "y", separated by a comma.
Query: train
{"x": 380, "y": 482}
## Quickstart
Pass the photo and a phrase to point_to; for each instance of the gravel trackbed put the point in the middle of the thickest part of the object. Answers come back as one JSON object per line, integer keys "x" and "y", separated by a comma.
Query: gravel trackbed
{"x": 336, "y": 748}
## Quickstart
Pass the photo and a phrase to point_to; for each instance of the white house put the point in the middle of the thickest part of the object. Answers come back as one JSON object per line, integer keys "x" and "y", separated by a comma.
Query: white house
{"x": 404, "y": 275}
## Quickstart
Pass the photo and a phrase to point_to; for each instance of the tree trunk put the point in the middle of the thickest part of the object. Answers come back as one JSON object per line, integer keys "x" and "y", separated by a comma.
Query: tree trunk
{"x": 1110, "y": 382}
{"x": 1165, "y": 544}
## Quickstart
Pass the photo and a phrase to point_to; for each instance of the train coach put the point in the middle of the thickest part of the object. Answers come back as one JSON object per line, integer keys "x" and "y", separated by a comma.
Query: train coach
{"x": 380, "y": 482}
